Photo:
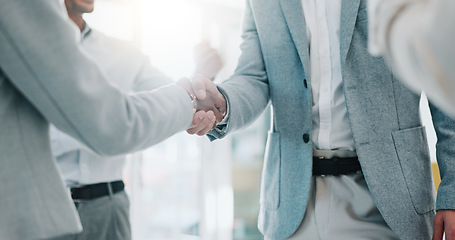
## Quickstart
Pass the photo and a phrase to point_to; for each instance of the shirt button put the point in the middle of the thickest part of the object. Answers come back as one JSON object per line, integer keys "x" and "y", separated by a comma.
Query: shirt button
{"x": 305, "y": 83}
{"x": 306, "y": 138}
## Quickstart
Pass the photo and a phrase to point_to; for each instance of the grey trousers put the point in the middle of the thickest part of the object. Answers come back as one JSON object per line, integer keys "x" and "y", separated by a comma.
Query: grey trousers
{"x": 342, "y": 208}
{"x": 105, "y": 218}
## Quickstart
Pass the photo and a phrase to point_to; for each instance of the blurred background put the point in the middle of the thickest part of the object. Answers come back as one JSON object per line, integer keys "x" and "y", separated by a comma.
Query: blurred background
{"x": 187, "y": 187}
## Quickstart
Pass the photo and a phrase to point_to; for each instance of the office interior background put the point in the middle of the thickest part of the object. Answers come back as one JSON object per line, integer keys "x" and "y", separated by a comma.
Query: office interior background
{"x": 187, "y": 187}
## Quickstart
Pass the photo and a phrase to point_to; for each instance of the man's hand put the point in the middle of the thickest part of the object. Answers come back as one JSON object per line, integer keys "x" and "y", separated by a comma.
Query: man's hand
{"x": 444, "y": 222}
{"x": 208, "y": 60}
{"x": 211, "y": 105}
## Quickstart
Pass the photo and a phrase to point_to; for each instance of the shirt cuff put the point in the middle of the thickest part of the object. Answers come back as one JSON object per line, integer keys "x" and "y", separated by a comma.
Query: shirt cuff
{"x": 226, "y": 116}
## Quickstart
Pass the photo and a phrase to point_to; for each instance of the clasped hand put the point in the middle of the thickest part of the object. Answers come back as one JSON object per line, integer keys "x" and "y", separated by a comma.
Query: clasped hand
{"x": 210, "y": 107}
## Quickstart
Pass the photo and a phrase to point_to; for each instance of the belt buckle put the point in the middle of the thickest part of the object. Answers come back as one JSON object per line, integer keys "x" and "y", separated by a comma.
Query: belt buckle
{"x": 322, "y": 158}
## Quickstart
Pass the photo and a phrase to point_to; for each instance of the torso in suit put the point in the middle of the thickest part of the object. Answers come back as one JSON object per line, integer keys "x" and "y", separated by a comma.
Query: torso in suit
{"x": 383, "y": 117}
{"x": 44, "y": 77}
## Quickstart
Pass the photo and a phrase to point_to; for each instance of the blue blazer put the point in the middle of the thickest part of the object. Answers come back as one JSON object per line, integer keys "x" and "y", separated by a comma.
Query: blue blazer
{"x": 383, "y": 115}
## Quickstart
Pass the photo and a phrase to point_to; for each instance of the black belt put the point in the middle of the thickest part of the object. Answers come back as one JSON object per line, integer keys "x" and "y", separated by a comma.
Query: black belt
{"x": 92, "y": 191}
{"x": 335, "y": 166}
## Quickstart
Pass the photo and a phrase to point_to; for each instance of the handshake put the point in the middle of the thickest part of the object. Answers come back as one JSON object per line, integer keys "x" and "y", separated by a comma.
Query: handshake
{"x": 210, "y": 105}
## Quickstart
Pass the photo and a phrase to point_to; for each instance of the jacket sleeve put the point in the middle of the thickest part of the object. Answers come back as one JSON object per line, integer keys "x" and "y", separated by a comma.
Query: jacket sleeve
{"x": 445, "y": 155}
{"x": 41, "y": 58}
{"x": 148, "y": 77}
{"x": 247, "y": 90}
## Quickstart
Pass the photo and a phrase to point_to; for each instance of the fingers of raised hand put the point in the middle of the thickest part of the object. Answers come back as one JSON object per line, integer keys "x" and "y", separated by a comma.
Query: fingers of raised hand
{"x": 202, "y": 123}
{"x": 200, "y": 85}
{"x": 217, "y": 106}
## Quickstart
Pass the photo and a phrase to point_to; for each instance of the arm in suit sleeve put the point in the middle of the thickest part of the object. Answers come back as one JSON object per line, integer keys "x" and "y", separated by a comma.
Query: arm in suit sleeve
{"x": 445, "y": 154}
{"x": 247, "y": 90}
{"x": 42, "y": 59}
{"x": 417, "y": 37}
{"x": 149, "y": 78}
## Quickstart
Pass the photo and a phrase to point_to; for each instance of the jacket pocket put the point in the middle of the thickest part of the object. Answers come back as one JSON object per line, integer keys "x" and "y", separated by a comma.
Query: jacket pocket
{"x": 271, "y": 173}
{"x": 412, "y": 150}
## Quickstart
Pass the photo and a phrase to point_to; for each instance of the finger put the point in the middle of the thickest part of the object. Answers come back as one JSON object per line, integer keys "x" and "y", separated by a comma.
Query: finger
{"x": 221, "y": 104}
{"x": 213, "y": 90}
{"x": 205, "y": 83}
{"x": 197, "y": 118}
{"x": 449, "y": 232}
{"x": 195, "y": 129}
{"x": 218, "y": 116}
{"x": 199, "y": 84}
{"x": 209, "y": 122}
{"x": 186, "y": 84}
{"x": 438, "y": 227}
{"x": 206, "y": 123}
{"x": 211, "y": 87}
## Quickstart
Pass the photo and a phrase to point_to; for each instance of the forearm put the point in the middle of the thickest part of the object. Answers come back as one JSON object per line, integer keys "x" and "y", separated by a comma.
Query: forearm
{"x": 150, "y": 78}
{"x": 69, "y": 90}
{"x": 247, "y": 99}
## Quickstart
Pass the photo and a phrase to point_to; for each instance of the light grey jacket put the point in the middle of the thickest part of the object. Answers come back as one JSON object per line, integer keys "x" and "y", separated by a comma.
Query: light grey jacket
{"x": 383, "y": 116}
{"x": 44, "y": 77}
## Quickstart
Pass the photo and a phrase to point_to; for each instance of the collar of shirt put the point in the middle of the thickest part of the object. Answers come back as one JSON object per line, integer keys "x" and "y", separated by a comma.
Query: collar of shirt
{"x": 85, "y": 31}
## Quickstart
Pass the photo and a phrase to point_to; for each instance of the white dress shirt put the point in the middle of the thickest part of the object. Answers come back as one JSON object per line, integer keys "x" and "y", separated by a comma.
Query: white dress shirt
{"x": 128, "y": 69}
{"x": 417, "y": 37}
{"x": 331, "y": 128}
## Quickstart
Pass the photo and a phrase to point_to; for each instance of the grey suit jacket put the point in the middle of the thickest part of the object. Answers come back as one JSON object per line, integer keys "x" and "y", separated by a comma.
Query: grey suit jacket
{"x": 44, "y": 77}
{"x": 383, "y": 116}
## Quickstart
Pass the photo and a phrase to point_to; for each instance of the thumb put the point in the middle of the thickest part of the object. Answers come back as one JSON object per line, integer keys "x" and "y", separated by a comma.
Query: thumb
{"x": 199, "y": 84}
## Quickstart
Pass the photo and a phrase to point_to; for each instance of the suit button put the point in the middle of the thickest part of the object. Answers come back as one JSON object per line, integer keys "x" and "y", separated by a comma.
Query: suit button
{"x": 306, "y": 138}
{"x": 305, "y": 83}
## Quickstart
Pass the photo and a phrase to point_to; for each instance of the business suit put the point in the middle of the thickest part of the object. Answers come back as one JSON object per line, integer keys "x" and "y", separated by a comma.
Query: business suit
{"x": 383, "y": 117}
{"x": 44, "y": 77}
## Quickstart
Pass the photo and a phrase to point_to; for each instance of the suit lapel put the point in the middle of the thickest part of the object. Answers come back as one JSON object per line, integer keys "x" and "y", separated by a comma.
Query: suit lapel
{"x": 349, "y": 10}
{"x": 293, "y": 13}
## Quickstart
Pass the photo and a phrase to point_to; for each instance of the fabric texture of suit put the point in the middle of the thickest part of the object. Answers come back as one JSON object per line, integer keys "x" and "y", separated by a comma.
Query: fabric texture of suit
{"x": 45, "y": 77}
{"x": 383, "y": 115}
